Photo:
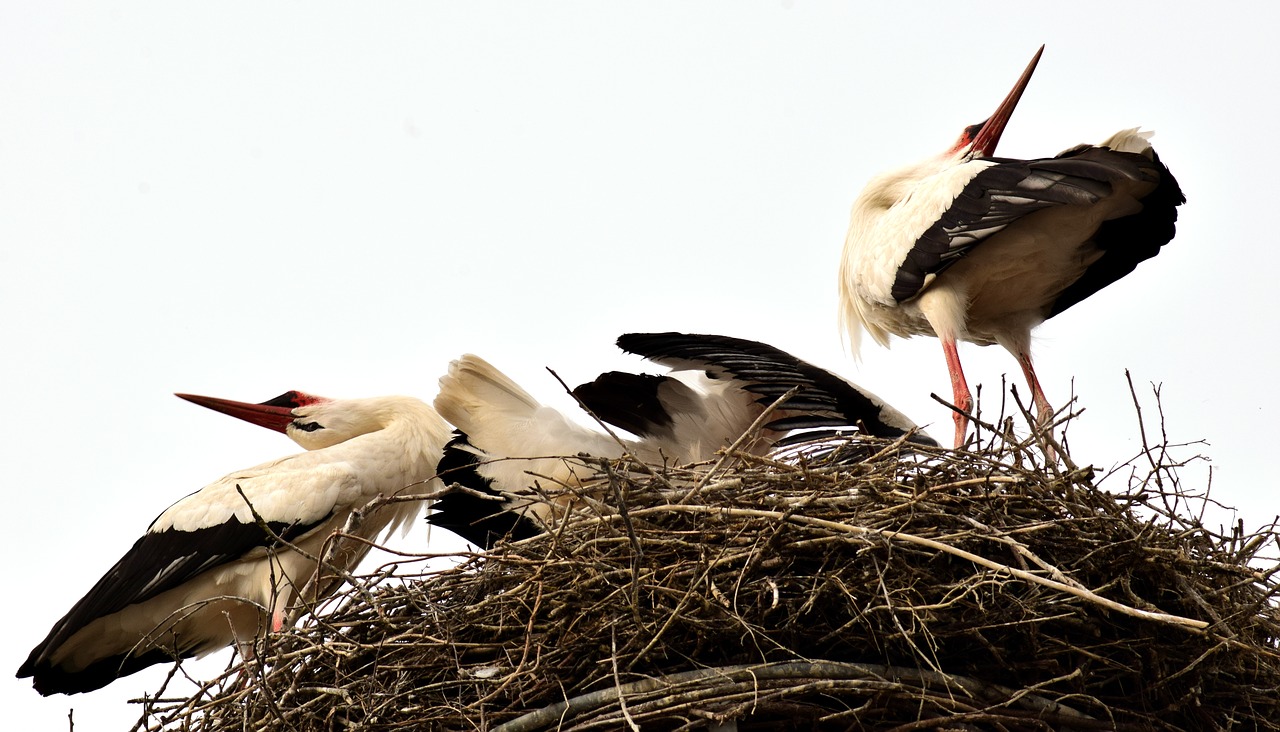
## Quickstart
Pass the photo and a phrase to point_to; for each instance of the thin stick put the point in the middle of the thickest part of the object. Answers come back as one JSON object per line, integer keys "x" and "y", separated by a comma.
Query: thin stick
{"x": 749, "y": 433}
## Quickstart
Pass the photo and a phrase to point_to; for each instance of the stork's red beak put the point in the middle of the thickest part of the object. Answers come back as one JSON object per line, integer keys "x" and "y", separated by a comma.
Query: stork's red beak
{"x": 274, "y": 414}
{"x": 984, "y": 143}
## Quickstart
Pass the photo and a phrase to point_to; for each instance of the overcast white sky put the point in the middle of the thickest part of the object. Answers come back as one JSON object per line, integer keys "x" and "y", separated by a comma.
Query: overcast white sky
{"x": 237, "y": 199}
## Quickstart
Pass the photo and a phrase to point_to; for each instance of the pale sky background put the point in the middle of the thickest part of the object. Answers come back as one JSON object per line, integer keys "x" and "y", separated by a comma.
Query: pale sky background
{"x": 236, "y": 199}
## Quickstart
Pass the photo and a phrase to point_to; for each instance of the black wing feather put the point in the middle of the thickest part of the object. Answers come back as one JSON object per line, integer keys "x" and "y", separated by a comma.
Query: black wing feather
{"x": 1129, "y": 240}
{"x": 51, "y": 679}
{"x": 157, "y": 562}
{"x": 823, "y": 399}
{"x": 1012, "y": 189}
{"x": 481, "y": 521}
{"x": 628, "y": 401}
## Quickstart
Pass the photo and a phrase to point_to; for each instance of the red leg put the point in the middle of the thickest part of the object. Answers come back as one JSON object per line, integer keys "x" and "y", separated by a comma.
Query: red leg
{"x": 961, "y": 397}
{"x": 1044, "y": 412}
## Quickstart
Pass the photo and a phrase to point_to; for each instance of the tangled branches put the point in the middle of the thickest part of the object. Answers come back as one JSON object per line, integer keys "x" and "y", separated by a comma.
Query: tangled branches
{"x": 957, "y": 590}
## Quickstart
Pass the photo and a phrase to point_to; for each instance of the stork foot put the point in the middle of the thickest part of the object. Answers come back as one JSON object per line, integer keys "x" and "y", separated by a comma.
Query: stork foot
{"x": 962, "y": 428}
{"x": 1044, "y": 412}
{"x": 1044, "y": 423}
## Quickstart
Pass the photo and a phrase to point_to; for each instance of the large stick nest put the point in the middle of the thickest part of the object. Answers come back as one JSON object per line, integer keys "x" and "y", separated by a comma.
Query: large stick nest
{"x": 955, "y": 590}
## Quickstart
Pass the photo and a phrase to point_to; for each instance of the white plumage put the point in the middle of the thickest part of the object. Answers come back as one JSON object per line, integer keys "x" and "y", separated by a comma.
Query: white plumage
{"x": 205, "y": 574}
{"x": 970, "y": 247}
{"x": 718, "y": 386}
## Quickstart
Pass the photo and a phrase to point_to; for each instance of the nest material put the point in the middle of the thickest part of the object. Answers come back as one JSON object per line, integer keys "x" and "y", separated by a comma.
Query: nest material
{"x": 957, "y": 591}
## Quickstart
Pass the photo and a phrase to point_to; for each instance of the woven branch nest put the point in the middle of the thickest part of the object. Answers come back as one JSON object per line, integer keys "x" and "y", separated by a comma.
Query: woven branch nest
{"x": 953, "y": 590}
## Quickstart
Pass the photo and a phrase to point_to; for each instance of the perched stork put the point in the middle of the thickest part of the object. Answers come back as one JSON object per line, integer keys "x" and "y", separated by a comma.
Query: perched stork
{"x": 966, "y": 246}
{"x": 207, "y": 574}
{"x": 717, "y": 388}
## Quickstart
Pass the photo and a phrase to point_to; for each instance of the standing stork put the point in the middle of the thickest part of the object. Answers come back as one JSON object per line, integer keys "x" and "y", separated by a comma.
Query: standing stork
{"x": 966, "y": 246}
{"x": 716, "y": 390}
{"x": 208, "y": 573}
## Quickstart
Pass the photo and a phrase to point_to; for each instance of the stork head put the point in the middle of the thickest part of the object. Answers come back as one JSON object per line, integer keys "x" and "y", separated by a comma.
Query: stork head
{"x": 313, "y": 422}
{"x": 980, "y": 140}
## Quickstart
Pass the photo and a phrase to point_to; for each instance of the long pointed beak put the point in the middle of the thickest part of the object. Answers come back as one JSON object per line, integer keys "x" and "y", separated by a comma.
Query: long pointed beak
{"x": 274, "y": 414}
{"x": 984, "y": 143}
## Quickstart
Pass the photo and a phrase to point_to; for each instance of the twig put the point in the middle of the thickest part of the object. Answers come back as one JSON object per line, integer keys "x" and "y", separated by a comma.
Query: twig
{"x": 608, "y": 430}
{"x": 750, "y": 433}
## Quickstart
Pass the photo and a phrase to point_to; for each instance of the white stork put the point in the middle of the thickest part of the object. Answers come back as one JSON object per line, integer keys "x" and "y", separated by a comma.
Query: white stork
{"x": 206, "y": 574}
{"x": 970, "y": 247}
{"x": 717, "y": 388}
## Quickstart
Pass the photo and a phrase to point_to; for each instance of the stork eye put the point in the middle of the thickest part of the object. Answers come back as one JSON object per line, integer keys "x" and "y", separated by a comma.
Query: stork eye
{"x": 308, "y": 426}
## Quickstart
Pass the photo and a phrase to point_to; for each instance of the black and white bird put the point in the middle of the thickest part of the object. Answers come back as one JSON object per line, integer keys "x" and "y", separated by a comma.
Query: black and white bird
{"x": 207, "y": 575}
{"x": 717, "y": 388}
{"x": 966, "y": 246}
